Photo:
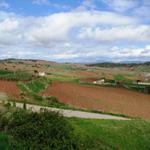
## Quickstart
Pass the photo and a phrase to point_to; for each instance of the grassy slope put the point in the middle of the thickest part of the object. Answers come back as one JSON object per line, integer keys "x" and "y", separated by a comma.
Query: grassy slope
{"x": 106, "y": 134}
{"x": 119, "y": 77}
{"x": 34, "y": 86}
{"x": 119, "y": 135}
{"x": 4, "y": 142}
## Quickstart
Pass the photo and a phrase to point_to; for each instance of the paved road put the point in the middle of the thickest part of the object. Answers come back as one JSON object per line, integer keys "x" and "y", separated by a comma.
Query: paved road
{"x": 71, "y": 113}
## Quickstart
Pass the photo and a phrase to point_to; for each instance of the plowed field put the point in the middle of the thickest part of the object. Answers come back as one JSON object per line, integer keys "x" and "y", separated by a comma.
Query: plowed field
{"x": 116, "y": 100}
{"x": 9, "y": 87}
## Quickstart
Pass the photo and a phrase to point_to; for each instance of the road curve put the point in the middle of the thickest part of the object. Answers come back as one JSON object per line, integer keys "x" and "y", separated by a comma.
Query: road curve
{"x": 70, "y": 113}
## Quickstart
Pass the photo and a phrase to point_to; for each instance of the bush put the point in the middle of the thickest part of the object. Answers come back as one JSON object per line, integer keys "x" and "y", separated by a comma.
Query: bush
{"x": 8, "y": 105}
{"x": 41, "y": 131}
{"x": 53, "y": 101}
{"x": 4, "y": 142}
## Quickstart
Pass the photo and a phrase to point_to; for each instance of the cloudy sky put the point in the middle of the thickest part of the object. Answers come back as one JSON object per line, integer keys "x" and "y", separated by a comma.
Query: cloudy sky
{"x": 75, "y": 30}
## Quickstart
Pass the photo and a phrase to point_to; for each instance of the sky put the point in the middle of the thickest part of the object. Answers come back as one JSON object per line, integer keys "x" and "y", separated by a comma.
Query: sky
{"x": 84, "y": 31}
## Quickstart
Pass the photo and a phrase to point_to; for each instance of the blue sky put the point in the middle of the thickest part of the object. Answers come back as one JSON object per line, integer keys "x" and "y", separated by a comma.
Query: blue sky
{"x": 75, "y": 30}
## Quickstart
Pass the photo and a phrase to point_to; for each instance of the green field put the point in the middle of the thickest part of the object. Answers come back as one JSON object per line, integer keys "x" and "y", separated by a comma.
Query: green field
{"x": 119, "y": 77}
{"x": 34, "y": 86}
{"x": 4, "y": 142}
{"x": 15, "y": 75}
{"x": 89, "y": 134}
{"x": 116, "y": 135}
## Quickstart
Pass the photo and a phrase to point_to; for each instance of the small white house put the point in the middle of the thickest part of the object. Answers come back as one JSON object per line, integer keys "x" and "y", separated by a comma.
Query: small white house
{"x": 42, "y": 74}
{"x": 102, "y": 81}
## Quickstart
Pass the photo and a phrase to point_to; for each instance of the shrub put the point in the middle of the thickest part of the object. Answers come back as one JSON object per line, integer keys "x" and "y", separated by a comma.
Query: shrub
{"x": 53, "y": 101}
{"x": 4, "y": 142}
{"x": 41, "y": 131}
{"x": 8, "y": 105}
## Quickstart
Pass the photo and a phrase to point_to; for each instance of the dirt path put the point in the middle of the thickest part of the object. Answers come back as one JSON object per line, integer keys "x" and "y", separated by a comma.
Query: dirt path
{"x": 71, "y": 113}
{"x": 115, "y": 100}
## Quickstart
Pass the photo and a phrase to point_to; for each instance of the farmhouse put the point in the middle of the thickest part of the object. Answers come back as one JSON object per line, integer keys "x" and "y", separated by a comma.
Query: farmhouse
{"x": 39, "y": 74}
{"x": 99, "y": 82}
{"x": 42, "y": 74}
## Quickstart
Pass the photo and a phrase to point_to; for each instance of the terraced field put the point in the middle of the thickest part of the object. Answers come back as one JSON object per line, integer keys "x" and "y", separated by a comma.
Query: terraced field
{"x": 115, "y": 100}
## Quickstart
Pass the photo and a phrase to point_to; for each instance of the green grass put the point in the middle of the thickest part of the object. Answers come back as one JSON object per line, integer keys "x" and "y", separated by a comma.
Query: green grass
{"x": 25, "y": 130}
{"x": 137, "y": 87}
{"x": 31, "y": 90}
{"x": 34, "y": 86}
{"x": 117, "y": 135}
{"x": 66, "y": 67}
{"x": 16, "y": 76}
{"x": 4, "y": 142}
{"x": 119, "y": 77}
{"x": 106, "y": 134}
{"x": 64, "y": 78}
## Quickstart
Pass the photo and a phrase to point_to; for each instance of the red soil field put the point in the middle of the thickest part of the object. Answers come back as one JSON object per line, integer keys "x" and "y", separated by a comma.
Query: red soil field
{"x": 9, "y": 87}
{"x": 115, "y": 100}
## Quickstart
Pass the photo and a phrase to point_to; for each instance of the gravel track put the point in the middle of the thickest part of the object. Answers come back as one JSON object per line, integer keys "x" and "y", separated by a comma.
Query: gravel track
{"x": 70, "y": 113}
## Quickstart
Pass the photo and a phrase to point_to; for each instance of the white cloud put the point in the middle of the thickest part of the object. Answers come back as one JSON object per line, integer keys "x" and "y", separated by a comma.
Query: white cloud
{"x": 41, "y": 2}
{"x": 50, "y": 4}
{"x": 147, "y": 47}
{"x": 9, "y": 32}
{"x": 56, "y": 35}
{"x": 86, "y": 5}
{"x": 57, "y": 27}
{"x": 44, "y": 31}
{"x": 108, "y": 54}
{"x": 122, "y": 5}
{"x": 142, "y": 12}
{"x": 67, "y": 44}
{"x": 131, "y": 52}
{"x": 65, "y": 56}
{"x": 8, "y": 25}
{"x": 123, "y": 33}
{"x": 3, "y": 4}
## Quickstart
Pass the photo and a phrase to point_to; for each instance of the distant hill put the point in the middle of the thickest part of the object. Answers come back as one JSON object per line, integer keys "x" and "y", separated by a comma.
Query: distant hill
{"x": 121, "y": 64}
{"x": 99, "y": 64}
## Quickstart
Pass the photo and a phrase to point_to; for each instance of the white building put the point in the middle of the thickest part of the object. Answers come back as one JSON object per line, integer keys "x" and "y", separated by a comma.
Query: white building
{"x": 102, "y": 81}
{"x": 42, "y": 74}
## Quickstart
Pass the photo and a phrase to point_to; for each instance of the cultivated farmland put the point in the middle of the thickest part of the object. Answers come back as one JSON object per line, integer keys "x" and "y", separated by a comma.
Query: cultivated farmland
{"x": 9, "y": 87}
{"x": 109, "y": 99}
{"x": 71, "y": 88}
